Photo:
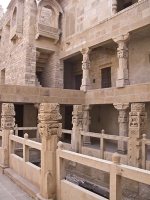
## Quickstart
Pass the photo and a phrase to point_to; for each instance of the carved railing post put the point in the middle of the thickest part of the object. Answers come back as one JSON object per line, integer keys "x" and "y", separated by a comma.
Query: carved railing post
{"x": 7, "y": 124}
{"x": 137, "y": 127}
{"x": 86, "y": 69}
{"x": 77, "y": 121}
{"x": 122, "y": 52}
{"x": 86, "y": 123}
{"x": 123, "y": 125}
{"x": 50, "y": 130}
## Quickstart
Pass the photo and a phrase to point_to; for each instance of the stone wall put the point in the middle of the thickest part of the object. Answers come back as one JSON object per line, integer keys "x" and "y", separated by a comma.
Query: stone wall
{"x": 52, "y": 75}
{"x": 81, "y": 15}
{"x": 139, "y": 60}
{"x": 17, "y": 56}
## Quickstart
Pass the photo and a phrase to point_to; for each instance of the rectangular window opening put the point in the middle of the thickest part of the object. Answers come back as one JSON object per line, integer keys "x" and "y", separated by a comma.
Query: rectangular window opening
{"x": 106, "y": 77}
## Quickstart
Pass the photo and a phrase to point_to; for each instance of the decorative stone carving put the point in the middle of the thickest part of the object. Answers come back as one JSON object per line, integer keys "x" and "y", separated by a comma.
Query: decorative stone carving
{"x": 86, "y": 123}
{"x": 85, "y": 67}
{"x": 77, "y": 121}
{"x": 123, "y": 125}
{"x": 7, "y": 124}
{"x": 50, "y": 130}
{"x": 49, "y": 116}
{"x": 114, "y": 7}
{"x": 47, "y": 31}
{"x": 137, "y": 127}
{"x": 8, "y": 113}
{"x": 47, "y": 130}
{"x": 122, "y": 52}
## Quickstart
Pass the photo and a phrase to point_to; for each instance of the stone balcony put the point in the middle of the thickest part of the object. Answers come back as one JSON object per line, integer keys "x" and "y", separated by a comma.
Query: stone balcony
{"x": 15, "y": 33}
{"x": 47, "y": 31}
{"x": 103, "y": 32}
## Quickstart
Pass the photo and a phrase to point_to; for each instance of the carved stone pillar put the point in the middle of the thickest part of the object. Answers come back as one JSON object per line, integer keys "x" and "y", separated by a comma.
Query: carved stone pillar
{"x": 114, "y": 7}
{"x": 137, "y": 127}
{"x": 122, "y": 52}
{"x": 86, "y": 68}
{"x": 77, "y": 121}
{"x": 7, "y": 124}
{"x": 50, "y": 130}
{"x": 123, "y": 125}
{"x": 86, "y": 123}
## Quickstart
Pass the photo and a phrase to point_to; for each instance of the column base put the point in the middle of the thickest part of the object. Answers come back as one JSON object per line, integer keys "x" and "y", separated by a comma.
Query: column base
{"x": 123, "y": 152}
{"x": 85, "y": 88}
{"x": 122, "y": 83}
{"x": 39, "y": 197}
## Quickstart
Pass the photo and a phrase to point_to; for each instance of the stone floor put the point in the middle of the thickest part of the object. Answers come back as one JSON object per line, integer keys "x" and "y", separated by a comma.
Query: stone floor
{"x": 10, "y": 191}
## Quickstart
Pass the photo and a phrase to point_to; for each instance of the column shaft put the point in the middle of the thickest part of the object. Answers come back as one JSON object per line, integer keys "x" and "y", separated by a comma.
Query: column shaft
{"x": 50, "y": 130}
{"x": 122, "y": 53}
{"x": 85, "y": 67}
{"x": 123, "y": 126}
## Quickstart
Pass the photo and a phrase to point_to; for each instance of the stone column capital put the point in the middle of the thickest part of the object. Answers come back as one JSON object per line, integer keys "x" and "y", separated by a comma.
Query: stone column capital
{"x": 122, "y": 39}
{"x": 8, "y": 113}
{"x": 77, "y": 113}
{"x": 87, "y": 107}
{"x": 85, "y": 50}
{"x": 49, "y": 117}
{"x": 121, "y": 106}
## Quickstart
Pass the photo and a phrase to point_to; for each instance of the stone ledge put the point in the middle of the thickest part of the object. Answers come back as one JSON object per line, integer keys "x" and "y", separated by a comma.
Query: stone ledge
{"x": 21, "y": 182}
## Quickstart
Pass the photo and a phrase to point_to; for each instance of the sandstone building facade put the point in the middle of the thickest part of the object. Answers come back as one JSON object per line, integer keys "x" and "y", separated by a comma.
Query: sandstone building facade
{"x": 72, "y": 52}
{"x": 76, "y": 45}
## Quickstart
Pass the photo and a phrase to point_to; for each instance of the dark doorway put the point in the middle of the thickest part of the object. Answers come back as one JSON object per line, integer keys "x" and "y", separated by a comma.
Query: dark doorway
{"x": 68, "y": 121}
{"x": 78, "y": 81}
{"x": 19, "y": 118}
{"x": 68, "y": 117}
{"x": 106, "y": 77}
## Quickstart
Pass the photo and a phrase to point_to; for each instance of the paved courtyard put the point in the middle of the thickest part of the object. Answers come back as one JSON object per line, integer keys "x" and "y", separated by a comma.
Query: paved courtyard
{"x": 10, "y": 191}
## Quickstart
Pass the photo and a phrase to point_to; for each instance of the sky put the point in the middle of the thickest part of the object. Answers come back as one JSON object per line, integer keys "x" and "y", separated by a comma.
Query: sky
{"x": 4, "y": 3}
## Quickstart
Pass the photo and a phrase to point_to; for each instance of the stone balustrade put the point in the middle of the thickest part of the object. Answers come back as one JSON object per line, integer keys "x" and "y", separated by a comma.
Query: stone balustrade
{"x": 46, "y": 179}
{"x": 67, "y": 190}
